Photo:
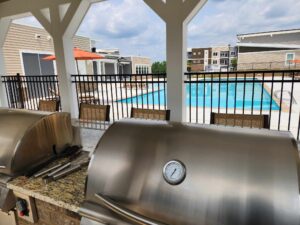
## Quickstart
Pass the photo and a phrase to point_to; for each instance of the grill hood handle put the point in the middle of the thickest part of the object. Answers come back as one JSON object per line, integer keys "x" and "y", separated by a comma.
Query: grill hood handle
{"x": 110, "y": 204}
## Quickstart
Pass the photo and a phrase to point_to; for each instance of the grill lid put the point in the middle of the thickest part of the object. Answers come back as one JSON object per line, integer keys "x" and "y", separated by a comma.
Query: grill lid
{"x": 30, "y": 138}
{"x": 232, "y": 175}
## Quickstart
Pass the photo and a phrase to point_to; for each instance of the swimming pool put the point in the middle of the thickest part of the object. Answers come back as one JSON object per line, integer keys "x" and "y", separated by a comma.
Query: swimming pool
{"x": 214, "y": 96}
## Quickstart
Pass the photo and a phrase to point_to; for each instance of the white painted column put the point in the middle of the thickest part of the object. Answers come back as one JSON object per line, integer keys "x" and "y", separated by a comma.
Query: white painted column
{"x": 116, "y": 68}
{"x": 99, "y": 67}
{"x": 66, "y": 66}
{"x": 4, "y": 27}
{"x": 62, "y": 22}
{"x": 176, "y": 67}
{"x": 103, "y": 66}
{"x": 177, "y": 14}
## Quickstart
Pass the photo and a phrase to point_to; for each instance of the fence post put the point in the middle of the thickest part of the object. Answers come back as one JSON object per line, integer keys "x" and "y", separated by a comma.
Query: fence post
{"x": 3, "y": 94}
{"x": 19, "y": 86}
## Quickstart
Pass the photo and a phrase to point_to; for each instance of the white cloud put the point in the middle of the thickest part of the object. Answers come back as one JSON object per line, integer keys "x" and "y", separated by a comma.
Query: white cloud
{"x": 129, "y": 25}
{"x": 220, "y": 21}
{"x": 134, "y": 28}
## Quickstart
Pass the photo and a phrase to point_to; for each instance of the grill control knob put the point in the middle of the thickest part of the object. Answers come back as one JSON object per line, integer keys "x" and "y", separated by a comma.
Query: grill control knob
{"x": 22, "y": 207}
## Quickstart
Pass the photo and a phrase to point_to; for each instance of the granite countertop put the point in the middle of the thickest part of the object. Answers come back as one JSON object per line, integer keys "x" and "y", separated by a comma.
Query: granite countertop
{"x": 67, "y": 192}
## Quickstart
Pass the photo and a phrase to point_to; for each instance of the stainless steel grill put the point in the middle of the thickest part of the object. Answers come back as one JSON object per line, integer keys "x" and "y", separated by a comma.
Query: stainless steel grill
{"x": 29, "y": 139}
{"x": 171, "y": 173}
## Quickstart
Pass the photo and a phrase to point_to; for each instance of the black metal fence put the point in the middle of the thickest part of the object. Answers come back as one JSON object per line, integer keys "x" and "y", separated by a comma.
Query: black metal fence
{"x": 122, "y": 92}
{"x": 273, "y": 93}
{"x": 27, "y": 91}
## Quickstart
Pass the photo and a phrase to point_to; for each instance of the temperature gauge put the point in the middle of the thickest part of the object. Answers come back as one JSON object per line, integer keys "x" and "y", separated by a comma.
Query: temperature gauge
{"x": 174, "y": 172}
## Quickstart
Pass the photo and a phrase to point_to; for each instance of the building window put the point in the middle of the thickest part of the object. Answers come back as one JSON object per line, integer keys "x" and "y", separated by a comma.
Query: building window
{"x": 224, "y": 54}
{"x": 34, "y": 64}
{"x": 199, "y": 53}
{"x": 289, "y": 59}
{"x": 232, "y": 53}
{"x": 142, "y": 69}
{"x": 223, "y": 62}
{"x": 194, "y": 53}
{"x": 215, "y": 62}
{"x": 215, "y": 54}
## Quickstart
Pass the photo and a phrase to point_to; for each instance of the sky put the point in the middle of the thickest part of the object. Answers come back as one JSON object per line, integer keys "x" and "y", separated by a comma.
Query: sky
{"x": 132, "y": 27}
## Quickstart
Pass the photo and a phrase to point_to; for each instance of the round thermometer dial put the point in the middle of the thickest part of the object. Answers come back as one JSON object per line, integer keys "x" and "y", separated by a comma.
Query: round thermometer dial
{"x": 174, "y": 172}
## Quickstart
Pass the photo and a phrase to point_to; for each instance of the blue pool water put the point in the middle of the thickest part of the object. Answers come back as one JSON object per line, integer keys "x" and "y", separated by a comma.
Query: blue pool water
{"x": 260, "y": 99}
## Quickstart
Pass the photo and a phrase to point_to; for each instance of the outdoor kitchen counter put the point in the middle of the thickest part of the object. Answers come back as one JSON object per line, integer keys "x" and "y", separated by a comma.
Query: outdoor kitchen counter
{"x": 67, "y": 193}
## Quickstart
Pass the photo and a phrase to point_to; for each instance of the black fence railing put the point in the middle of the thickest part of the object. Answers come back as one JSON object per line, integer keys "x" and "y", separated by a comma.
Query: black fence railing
{"x": 272, "y": 93}
{"x": 27, "y": 91}
{"x": 122, "y": 92}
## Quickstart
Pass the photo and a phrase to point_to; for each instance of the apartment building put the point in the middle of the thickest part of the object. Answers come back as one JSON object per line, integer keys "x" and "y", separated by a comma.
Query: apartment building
{"x": 114, "y": 63}
{"x": 26, "y": 46}
{"x": 269, "y": 50}
{"x": 223, "y": 57}
{"x": 213, "y": 59}
{"x": 200, "y": 59}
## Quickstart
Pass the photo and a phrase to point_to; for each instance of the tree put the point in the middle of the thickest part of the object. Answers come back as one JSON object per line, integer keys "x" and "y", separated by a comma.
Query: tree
{"x": 159, "y": 67}
{"x": 234, "y": 63}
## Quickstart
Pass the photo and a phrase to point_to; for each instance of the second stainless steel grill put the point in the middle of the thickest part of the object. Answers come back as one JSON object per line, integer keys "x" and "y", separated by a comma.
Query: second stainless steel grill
{"x": 29, "y": 139}
{"x": 171, "y": 173}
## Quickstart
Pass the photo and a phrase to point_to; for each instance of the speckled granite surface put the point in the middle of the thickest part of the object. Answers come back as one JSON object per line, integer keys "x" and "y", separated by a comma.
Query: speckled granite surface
{"x": 67, "y": 192}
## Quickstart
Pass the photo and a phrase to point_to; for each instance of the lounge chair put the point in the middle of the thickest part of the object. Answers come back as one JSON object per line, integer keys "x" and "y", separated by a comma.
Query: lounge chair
{"x": 239, "y": 120}
{"x": 94, "y": 112}
{"x": 153, "y": 114}
{"x": 48, "y": 105}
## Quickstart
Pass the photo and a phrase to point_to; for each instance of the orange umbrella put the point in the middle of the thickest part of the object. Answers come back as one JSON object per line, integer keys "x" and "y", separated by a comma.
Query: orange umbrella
{"x": 78, "y": 55}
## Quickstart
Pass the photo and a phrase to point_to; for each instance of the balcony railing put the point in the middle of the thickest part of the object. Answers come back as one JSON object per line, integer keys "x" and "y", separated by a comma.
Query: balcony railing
{"x": 272, "y": 93}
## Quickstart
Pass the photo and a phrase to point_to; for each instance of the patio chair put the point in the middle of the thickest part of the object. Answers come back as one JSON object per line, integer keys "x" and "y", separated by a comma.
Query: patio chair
{"x": 48, "y": 105}
{"x": 153, "y": 114}
{"x": 94, "y": 112}
{"x": 87, "y": 92}
{"x": 239, "y": 120}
